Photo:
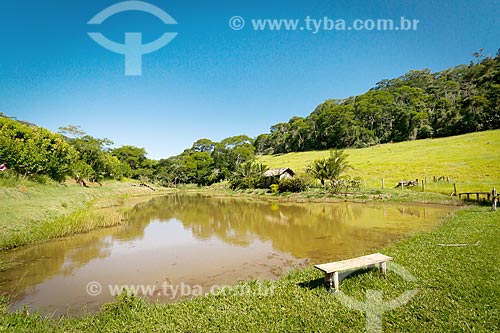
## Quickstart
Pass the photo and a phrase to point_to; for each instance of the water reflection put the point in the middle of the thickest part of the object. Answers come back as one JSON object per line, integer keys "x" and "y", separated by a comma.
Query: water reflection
{"x": 225, "y": 239}
{"x": 315, "y": 231}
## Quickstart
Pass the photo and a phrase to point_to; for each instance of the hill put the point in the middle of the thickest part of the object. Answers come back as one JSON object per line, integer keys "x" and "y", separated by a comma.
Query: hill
{"x": 417, "y": 105}
{"x": 470, "y": 160}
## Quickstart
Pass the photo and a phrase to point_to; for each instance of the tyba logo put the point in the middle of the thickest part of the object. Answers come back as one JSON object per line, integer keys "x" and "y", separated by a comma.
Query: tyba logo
{"x": 133, "y": 49}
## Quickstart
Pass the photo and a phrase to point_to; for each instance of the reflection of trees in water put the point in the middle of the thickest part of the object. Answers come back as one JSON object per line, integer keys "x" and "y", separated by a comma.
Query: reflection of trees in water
{"x": 305, "y": 230}
{"x": 312, "y": 230}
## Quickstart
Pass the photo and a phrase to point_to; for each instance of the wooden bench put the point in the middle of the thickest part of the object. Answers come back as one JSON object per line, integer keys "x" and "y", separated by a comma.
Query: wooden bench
{"x": 332, "y": 269}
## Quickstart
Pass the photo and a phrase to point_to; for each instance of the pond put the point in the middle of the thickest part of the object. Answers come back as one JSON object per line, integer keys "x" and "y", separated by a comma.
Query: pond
{"x": 183, "y": 245}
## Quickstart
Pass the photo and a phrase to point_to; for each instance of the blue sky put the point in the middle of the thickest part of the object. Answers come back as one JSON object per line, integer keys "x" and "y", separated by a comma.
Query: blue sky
{"x": 212, "y": 81}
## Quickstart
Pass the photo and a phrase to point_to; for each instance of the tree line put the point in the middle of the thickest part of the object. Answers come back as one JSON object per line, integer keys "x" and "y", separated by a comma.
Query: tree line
{"x": 417, "y": 105}
{"x": 38, "y": 154}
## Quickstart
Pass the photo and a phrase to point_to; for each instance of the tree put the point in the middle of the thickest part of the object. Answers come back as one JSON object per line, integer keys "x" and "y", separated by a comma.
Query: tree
{"x": 95, "y": 153}
{"x": 319, "y": 170}
{"x": 375, "y": 111}
{"x": 131, "y": 155}
{"x": 203, "y": 145}
{"x": 199, "y": 167}
{"x": 170, "y": 172}
{"x": 73, "y": 131}
{"x": 262, "y": 144}
{"x": 240, "y": 147}
{"x": 229, "y": 154}
{"x": 330, "y": 168}
{"x": 34, "y": 151}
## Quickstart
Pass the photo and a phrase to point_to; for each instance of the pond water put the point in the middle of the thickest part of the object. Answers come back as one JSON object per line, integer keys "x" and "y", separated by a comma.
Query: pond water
{"x": 182, "y": 245}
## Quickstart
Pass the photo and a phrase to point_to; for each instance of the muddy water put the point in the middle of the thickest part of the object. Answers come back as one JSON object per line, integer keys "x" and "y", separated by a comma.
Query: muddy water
{"x": 184, "y": 245}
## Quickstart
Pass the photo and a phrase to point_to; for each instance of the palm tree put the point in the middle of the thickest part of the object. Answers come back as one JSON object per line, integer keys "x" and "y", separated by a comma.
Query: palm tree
{"x": 319, "y": 170}
{"x": 329, "y": 168}
{"x": 248, "y": 175}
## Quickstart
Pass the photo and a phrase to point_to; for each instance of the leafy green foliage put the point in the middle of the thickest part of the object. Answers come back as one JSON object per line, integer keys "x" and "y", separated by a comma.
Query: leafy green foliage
{"x": 345, "y": 185}
{"x": 295, "y": 184}
{"x": 207, "y": 162}
{"x": 330, "y": 168}
{"x": 248, "y": 175}
{"x": 133, "y": 156}
{"x": 95, "y": 161}
{"x": 198, "y": 167}
{"x": 33, "y": 151}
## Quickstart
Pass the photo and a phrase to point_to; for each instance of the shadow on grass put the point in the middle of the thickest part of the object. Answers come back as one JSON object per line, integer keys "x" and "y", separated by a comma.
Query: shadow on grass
{"x": 320, "y": 283}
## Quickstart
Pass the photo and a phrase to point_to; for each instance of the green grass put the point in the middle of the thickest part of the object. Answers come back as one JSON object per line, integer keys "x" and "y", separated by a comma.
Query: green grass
{"x": 472, "y": 161}
{"x": 33, "y": 212}
{"x": 458, "y": 291}
{"x": 26, "y": 207}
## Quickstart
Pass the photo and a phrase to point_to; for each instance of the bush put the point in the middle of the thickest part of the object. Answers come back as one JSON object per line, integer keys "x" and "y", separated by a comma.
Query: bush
{"x": 296, "y": 184}
{"x": 248, "y": 175}
{"x": 345, "y": 185}
{"x": 34, "y": 151}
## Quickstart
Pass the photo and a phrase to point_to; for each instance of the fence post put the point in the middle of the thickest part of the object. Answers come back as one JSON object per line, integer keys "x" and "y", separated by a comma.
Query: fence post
{"x": 454, "y": 194}
{"x": 382, "y": 183}
{"x": 423, "y": 186}
{"x": 495, "y": 198}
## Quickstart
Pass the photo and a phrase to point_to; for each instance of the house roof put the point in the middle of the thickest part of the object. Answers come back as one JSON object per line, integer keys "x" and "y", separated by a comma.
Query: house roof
{"x": 278, "y": 172}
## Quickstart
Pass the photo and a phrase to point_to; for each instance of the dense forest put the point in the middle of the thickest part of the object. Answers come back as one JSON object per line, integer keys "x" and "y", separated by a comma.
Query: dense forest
{"x": 417, "y": 105}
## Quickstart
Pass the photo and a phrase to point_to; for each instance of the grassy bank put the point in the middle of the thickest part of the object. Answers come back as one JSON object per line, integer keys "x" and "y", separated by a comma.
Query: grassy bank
{"x": 472, "y": 161}
{"x": 34, "y": 212}
{"x": 458, "y": 290}
{"x": 414, "y": 195}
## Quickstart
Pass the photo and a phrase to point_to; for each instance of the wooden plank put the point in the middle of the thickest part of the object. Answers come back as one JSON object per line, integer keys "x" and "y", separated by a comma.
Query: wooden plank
{"x": 343, "y": 265}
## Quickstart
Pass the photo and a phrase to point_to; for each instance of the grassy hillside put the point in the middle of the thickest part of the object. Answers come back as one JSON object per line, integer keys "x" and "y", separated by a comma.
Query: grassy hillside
{"x": 471, "y": 160}
{"x": 32, "y": 212}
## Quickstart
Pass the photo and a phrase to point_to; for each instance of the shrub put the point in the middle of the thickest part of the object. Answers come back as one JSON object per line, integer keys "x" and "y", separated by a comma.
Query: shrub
{"x": 34, "y": 151}
{"x": 345, "y": 185}
{"x": 248, "y": 175}
{"x": 296, "y": 184}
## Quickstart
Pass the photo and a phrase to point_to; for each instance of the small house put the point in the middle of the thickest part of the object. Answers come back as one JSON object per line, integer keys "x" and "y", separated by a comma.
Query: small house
{"x": 275, "y": 175}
